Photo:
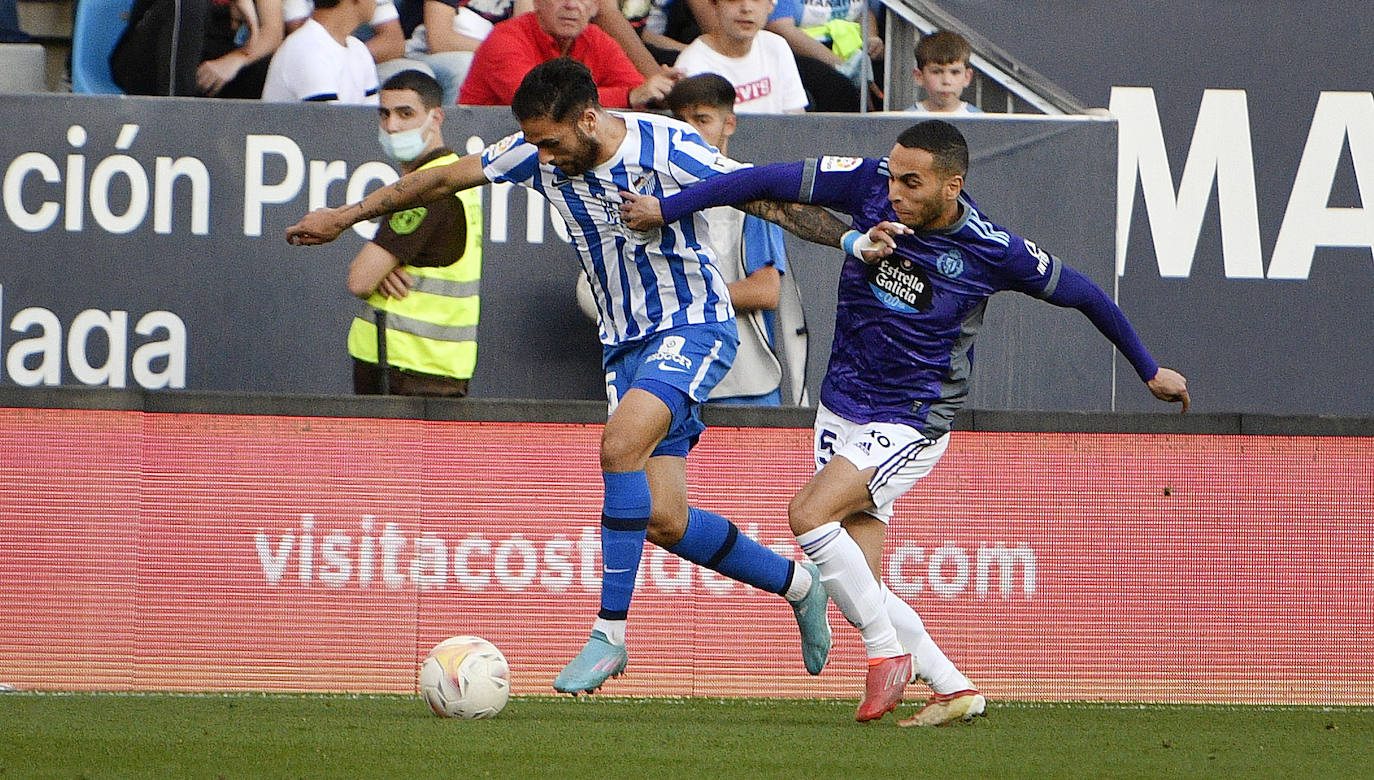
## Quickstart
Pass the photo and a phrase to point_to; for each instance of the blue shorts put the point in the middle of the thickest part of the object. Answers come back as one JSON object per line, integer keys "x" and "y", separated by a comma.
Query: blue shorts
{"x": 680, "y": 366}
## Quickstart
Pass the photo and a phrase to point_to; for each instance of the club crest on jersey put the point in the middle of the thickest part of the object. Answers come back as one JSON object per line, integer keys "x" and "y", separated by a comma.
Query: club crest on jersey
{"x": 829, "y": 164}
{"x": 645, "y": 183}
{"x": 951, "y": 263}
{"x": 669, "y": 355}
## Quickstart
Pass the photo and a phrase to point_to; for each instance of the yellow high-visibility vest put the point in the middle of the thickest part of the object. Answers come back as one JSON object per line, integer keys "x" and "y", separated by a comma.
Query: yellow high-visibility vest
{"x": 432, "y": 330}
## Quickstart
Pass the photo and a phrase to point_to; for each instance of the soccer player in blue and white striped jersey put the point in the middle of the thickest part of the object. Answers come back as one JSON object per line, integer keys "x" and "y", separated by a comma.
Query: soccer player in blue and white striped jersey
{"x": 924, "y": 261}
{"x": 667, "y": 330}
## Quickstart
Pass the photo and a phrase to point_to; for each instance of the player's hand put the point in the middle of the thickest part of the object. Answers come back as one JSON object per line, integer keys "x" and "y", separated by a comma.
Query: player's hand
{"x": 883, "y": 239}
{"x": 396, "y": 284}
{"x": 318, "y": 227}
{"x": 640, "y": 212}
{"x": 1169, "y": 385}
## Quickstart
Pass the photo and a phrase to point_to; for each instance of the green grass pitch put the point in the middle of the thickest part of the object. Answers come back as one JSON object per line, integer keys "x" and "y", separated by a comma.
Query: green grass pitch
{"x": 247, "y": 735}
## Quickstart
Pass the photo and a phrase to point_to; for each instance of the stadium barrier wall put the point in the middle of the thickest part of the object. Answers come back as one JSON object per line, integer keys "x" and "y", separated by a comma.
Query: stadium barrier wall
{"x": 142, "y": 251}
{"x": 208, "y": 542}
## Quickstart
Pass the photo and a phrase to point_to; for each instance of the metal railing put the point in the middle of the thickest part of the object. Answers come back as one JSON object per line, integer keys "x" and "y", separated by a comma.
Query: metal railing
{"x": 1001, "y": 83}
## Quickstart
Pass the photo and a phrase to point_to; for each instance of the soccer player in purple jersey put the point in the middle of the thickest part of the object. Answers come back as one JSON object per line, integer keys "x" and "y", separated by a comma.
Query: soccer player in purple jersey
{"x": 923, "y": 263}
{"x": 667, "y": 329}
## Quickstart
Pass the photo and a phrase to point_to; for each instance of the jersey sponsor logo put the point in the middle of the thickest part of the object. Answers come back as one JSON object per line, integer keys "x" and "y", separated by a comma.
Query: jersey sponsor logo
{"x": 840, "y": 164}
{"x": 669, "y": 355}
{"x": 1042, "y": 257}
{"x": 951, "y": 263}
{"x": 900, "y": 284}
{"x": 403, "y": 223}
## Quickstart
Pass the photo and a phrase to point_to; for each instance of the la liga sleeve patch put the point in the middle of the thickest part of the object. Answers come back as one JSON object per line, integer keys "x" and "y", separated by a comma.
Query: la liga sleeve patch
{"x": 833, "y": 164}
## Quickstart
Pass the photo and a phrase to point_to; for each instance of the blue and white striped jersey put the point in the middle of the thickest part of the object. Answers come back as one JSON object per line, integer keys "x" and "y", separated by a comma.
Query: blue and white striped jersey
{"x": 643, "y": 281}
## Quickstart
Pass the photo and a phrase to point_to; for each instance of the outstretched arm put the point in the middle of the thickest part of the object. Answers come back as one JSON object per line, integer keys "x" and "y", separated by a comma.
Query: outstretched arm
{"x": 1078, "y": 291}
{"x": 779, "y": 181}
{"x": 812, "y": 223}
{"x": 324, "y": 225}
{"x": 819, "y": 226}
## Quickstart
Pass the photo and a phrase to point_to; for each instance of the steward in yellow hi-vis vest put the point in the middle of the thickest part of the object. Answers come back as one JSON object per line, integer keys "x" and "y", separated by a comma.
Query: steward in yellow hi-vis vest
{"x": 431, "y": 333}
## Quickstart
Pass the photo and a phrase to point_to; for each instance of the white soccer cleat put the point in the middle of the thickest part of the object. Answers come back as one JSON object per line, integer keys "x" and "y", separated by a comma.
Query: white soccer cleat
{"x": 948, "y": 708}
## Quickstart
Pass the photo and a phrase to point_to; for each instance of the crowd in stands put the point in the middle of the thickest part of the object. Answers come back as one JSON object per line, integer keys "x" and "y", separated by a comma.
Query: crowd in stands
{"x": 780, "y": 55}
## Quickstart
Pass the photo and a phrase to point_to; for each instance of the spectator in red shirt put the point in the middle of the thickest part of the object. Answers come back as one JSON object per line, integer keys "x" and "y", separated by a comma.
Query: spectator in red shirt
{"x": 557, "y": 28}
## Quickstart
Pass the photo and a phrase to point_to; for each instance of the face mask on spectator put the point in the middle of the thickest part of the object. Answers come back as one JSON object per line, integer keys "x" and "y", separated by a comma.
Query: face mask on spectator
{"x": 405, "y": 145}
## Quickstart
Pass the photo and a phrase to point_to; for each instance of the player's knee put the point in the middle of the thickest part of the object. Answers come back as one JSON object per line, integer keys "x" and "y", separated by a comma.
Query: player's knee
{"x": 621, "y": 453}
{"x": 800, "y": 515}
{"x": 666, "y": 530}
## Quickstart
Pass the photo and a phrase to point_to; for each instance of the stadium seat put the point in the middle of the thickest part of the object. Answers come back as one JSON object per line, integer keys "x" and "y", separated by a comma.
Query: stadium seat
{"x": 97, "y": 28}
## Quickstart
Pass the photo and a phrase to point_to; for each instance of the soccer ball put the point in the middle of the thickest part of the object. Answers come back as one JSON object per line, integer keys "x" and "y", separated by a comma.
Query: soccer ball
{"x": 465, "y": 677}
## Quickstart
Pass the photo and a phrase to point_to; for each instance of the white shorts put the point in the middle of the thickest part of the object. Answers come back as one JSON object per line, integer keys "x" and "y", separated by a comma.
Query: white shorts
{"x": 898, "y": 454}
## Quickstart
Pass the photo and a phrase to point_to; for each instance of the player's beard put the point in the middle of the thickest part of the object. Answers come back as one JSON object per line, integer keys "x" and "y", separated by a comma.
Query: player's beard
{"x": 583, "y": 157}
{"x": 925, "y": 214}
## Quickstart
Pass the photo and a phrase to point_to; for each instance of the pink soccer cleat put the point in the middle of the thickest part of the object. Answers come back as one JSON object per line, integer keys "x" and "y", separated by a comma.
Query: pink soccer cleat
{"x": 883, "y": 686}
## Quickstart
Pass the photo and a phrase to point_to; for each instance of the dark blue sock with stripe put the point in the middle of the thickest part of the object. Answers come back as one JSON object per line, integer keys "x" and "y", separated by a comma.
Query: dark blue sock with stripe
{"x": 718, "y": 544}
{"x": 624, "y": 522}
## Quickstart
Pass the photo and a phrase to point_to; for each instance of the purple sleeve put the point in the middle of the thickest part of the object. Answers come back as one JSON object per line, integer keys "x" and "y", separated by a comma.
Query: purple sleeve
{"x": 1077, "y": 291}
{"x": 779, "y": 181}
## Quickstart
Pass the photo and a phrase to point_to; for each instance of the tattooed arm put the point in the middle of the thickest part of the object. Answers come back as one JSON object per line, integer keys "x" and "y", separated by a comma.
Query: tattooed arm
{"x": 418, "y": 187}
{"x": 812, "y": 223}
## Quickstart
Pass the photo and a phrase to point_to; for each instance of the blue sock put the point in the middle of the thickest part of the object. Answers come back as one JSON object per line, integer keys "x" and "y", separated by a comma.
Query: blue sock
{"x": 716, "y": 543}
{"x": 624, "y": 522}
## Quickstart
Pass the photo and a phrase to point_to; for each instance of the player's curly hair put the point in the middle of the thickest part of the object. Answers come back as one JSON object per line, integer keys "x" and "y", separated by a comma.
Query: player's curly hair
{"x": 943, "y": 140}
{"x": 558, "y": 90}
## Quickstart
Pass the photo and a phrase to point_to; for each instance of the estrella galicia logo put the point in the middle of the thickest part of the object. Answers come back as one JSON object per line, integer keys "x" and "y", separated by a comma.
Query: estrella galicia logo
{"x": 950, "y": 263}
{"x": 900, "y": 284}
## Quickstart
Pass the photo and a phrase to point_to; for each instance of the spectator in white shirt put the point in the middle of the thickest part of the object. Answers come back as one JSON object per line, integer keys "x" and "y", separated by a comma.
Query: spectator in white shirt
{"x": 759, "y": 64}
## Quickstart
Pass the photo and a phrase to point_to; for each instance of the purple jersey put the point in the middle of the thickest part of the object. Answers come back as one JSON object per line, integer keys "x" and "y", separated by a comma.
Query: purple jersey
{"x": 904, "y": 327}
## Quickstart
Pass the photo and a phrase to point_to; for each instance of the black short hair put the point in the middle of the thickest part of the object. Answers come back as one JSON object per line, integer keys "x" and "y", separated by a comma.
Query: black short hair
{"x": 943, "y": 140}
{"x": 558, "y": 90}
{"x": 430, "y": 91}
{"x": 706, "y": 89}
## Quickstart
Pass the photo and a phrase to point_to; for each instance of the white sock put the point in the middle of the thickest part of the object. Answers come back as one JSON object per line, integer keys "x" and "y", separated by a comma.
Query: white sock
{"x": 939, "y": 672}
{"x": 613, "y": 629}
{"x": 848, "y": 580}
{"x": 801, "y": 583}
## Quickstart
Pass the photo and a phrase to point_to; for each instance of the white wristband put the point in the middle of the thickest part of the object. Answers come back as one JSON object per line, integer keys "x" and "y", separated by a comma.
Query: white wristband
{"x": 856, "y": 243}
